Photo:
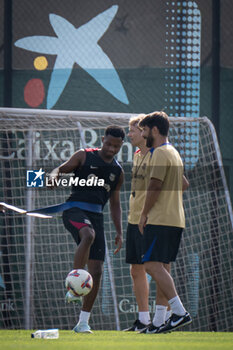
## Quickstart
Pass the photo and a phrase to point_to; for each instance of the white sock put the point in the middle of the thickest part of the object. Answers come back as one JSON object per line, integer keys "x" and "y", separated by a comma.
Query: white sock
{"x": 168, "y": 315}
{"x": 144, "y": 317}
{"x": 177, "y": 306}
{"x": 160, "y": 314}
{"x": 84, "y": 316}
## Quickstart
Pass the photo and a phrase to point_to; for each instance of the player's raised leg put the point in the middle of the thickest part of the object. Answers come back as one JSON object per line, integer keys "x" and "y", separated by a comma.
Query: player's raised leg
{"x": 87, "y": 236}
{"x": 83, "y": 234}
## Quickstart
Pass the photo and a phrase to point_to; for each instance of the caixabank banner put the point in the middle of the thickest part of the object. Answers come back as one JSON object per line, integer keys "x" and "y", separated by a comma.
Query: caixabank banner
{"x": 121, "y": 56}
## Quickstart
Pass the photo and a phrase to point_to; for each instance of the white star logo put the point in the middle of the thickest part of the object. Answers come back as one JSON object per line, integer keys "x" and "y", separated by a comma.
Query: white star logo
{"x": 39, "y": 174}
{"x": 77, "y": 45}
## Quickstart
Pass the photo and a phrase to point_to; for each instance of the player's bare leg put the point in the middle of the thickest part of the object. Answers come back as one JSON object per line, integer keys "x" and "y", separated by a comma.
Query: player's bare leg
{"x": 167, "y": 291}
{"x": 160, "y": 296}
{"x": 140, "y": 286}
{"x": 87, "y": 236}
{"x": 164, "y": 280}
{"x": 95, "y": 268}
{"x": 141, "y": 291}
{"x": 162, "y": 305}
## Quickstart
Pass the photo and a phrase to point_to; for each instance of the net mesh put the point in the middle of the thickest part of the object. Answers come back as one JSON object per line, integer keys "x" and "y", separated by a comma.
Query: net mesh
{"x": 37, "y": 254}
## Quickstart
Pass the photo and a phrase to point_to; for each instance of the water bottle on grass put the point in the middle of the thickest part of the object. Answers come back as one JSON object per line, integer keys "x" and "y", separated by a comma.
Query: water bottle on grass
{"x": 46, "y": 334}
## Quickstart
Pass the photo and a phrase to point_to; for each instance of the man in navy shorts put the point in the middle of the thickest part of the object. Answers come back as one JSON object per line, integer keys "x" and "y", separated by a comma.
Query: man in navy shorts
{"x": 162, "y": 220}
{"x": 84, "y": 219}
{"x": 133, "y": 235}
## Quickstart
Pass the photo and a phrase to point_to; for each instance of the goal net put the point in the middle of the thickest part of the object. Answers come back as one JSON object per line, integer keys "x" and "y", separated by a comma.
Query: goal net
{"x": 36, "y": 254}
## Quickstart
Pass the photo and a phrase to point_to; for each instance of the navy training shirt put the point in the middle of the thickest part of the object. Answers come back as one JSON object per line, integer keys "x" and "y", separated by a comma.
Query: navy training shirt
{"x": 95, "y": 166}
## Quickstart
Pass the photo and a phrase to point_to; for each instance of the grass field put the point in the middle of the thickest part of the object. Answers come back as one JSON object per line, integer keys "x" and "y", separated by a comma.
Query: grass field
{"x": 105, "y": 340}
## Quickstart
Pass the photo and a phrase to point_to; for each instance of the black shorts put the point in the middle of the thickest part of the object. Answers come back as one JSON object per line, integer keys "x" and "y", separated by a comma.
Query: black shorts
{"x": 133, "y": 245}
{"x": 161, "y": 243}
{"x": 74, "y": 219}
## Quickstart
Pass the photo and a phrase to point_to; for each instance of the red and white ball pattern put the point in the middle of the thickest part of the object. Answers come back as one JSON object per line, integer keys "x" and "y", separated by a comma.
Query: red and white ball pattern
{"x": 79, "y": 282}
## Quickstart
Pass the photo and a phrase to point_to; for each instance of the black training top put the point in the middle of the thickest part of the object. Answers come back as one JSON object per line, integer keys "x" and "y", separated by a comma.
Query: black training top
{"x": 100, "y": 179}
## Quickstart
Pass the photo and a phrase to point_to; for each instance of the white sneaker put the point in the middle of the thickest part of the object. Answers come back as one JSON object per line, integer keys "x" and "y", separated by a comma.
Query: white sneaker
{"x": 82, "y": 327}
{"x": 70, "y": 298}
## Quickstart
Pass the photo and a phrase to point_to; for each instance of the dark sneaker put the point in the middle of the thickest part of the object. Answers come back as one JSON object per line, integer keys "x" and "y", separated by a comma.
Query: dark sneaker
{"x": 137, "y": 326}
{"x": 175, "y": 322}
{"x": 151, "y": 329}
{"x": 167, "y": 320}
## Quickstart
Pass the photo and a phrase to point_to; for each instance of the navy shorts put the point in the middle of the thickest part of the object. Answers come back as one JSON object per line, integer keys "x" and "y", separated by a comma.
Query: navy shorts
{"x": 161, "y": 243}
{"x": 133, "y": 245}
{"x": 74, "y": 219}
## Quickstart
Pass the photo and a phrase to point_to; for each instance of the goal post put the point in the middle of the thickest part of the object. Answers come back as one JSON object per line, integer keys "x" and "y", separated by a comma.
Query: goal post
{"x": 37, "y": 254}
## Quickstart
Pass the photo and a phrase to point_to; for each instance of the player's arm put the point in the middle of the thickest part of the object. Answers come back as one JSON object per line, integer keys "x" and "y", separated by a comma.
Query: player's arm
{"x": 74, "y": 162}
{"x": 185, "y": 184}
{"x": 152, "y": 194}
{"x": 115, "y": 208}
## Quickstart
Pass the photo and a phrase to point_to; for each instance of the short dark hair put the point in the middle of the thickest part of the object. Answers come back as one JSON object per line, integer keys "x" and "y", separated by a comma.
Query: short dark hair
{"x": 115, "y": 131}
{"x": 159, "y": 119}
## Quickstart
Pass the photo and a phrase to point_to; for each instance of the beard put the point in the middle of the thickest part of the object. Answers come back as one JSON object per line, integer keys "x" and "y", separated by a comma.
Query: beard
{"x": 149, "y": 141}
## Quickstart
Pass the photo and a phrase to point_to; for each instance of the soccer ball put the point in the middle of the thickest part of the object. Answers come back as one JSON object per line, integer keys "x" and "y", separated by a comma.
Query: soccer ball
{"x": 79, "y": 282}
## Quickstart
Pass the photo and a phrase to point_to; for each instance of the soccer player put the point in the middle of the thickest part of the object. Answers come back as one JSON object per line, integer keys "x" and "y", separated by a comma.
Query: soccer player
{"x": 133, "y": 235}
{"x": 85, "y": 219}
{"x": 162, "y": 219}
